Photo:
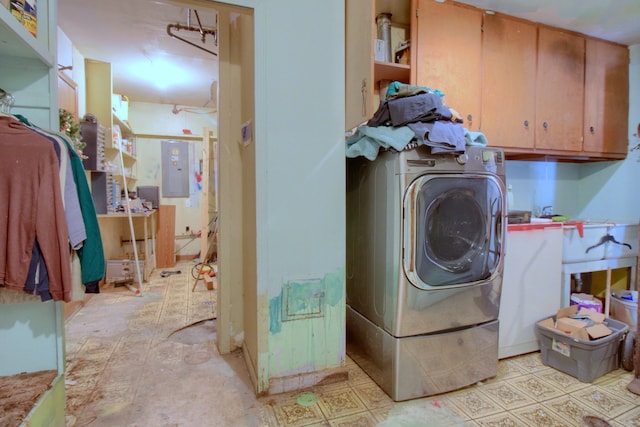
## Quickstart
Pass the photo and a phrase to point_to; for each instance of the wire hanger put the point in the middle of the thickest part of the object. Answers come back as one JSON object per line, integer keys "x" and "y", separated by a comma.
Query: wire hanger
{"x": 605, "y": 239}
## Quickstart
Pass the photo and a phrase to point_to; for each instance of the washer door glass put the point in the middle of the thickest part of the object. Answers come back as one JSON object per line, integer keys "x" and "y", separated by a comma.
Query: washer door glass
{"x": 454, "y": 230}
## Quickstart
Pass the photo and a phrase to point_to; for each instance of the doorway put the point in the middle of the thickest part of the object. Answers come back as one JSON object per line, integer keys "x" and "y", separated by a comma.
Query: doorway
{"x": 237, "y": 211}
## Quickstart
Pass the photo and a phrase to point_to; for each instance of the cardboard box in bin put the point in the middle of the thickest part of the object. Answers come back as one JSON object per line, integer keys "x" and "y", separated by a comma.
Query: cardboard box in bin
{"x": 584, "y": 324}
{"x": 585, "y": 349}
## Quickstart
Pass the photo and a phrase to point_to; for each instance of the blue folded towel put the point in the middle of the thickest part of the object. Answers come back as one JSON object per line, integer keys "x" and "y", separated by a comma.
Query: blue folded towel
{"x": 368, "y": 140}
{"x": 475, "y": 138}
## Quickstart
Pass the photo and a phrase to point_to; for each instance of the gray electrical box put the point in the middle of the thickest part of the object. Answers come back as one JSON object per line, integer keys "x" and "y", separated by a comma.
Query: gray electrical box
{"x": 175, "y": 169}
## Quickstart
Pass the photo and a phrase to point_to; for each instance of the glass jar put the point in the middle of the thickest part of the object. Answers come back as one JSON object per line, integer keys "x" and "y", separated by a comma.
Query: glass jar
{"x": 383, "y": 21}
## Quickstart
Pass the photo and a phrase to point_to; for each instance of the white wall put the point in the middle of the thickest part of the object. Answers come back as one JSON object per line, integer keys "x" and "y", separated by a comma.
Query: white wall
{"x": 599, "y": 190}
{"x": 300, "y": 177}
{"x": 544, "y": 183}
{"x": 65, "y": 52}
{"x": 171, "y": 120}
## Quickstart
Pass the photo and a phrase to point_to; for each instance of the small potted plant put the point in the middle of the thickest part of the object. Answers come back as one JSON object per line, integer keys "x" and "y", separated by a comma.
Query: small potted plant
{"x": 71, "y": 128}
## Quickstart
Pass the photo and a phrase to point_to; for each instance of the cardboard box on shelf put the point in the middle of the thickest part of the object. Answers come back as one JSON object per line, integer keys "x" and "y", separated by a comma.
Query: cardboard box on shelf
{"x": 586, "y": 301}
{"x": 120, "y": 106}
{"x": 16, "y": 7}
{"x": 379, "y": 51}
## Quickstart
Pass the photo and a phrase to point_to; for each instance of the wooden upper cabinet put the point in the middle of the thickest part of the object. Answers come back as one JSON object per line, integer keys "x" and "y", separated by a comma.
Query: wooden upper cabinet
{"x": 606, "y": 98}
{"x": 67, "y": 94}
{"x": 359, "y": 85}
{"x": 559, "y": 90}
{"x": 448, "y": 57}
{"x": 508, "y": 82}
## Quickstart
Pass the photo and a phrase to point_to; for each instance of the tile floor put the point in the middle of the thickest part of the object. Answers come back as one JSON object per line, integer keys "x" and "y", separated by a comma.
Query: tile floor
{"x": 130, "y": 364}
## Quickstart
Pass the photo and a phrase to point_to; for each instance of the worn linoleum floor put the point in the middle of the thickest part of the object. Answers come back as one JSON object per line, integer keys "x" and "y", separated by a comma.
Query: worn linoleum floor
{"x": 129, "y": 363}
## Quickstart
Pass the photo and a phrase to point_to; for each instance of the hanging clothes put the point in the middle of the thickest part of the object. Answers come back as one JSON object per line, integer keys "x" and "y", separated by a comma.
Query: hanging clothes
{"x": 32, "y": 209}
{"x": 91, "y": 254}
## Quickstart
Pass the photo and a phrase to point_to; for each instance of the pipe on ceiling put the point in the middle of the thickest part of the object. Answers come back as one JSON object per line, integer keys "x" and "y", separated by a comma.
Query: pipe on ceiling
{"x": 199, "y": 29}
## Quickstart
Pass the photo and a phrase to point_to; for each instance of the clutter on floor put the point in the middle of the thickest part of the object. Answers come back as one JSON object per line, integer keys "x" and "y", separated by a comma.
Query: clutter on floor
{"x": 167, "y": 273}
{"x": 152, "y": 360}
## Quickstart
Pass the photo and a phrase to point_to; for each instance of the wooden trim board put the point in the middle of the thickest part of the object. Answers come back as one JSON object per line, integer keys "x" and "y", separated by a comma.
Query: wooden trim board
{"x": 165, "y": 241}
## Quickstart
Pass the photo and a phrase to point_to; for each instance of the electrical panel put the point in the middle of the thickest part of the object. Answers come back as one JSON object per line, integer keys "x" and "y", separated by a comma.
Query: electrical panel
{"x": 175, "y": 169}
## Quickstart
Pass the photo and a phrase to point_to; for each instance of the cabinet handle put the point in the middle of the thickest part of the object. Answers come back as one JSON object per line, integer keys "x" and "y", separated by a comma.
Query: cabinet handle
{"x": 592, "y": 129}
{"x": 469, "y": 118}
{"x": 363, "y": 90}
{"x": 526, "y": 123}
{"x": 545, "y": 125}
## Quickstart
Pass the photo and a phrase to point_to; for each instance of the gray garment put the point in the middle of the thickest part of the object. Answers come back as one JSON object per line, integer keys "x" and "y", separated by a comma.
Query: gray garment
{"x": 408, "y": 90}
{"x": 399, "y": 111}
{"x": 70, "y": 200}
{"x": 381, "y": 116}
{"x": 423, "y": 107}
{"x": 442, "y": 136}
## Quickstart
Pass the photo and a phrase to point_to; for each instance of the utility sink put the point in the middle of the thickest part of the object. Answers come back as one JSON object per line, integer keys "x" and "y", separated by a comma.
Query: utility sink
{"x": 591, "y": 240}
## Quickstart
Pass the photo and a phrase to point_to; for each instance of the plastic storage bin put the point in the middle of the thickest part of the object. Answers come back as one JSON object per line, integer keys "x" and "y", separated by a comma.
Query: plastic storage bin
{"x": 582, "y": 359}
{"x": 123, "y": 270}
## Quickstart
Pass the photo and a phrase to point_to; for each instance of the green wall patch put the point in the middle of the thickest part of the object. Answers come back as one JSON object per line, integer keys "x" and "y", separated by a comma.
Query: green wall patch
{"x": 302, "y": 299}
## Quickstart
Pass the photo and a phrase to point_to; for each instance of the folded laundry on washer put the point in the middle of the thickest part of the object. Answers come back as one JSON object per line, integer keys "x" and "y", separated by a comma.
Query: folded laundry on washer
{"x": 398, "y": 89}
{"x": 367, "y": 141}
{"x": 442, "y": 136}
{"x": 422, "y": 107}
{"x": 475, "y": 138}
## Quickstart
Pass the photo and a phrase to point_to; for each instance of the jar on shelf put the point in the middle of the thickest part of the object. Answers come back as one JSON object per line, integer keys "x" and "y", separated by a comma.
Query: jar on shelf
{"x": 383, "y": 22}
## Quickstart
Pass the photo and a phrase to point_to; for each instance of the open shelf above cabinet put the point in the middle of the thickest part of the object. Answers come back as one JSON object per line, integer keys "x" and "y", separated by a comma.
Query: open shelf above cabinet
{"x": 391, "y": 71}
{"x": 16, "y": 41}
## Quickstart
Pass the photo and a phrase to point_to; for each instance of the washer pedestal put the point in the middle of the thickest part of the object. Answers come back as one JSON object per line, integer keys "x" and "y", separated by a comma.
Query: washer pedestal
{"x": 411, "y": 367}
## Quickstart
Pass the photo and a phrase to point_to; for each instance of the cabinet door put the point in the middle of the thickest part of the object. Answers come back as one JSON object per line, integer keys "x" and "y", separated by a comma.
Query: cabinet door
{"x": 359, "y": 61}
{"x": 508, "y": 82}
{"x": 67, "y": 95}
{"x": 560, "y": 90}
{"x": 606, "y": 98}
{"x": 449, "y": 55}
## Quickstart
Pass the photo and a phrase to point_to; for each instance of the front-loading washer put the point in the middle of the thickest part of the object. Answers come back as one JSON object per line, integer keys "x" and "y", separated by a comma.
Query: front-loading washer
{"x": 425, "y": 250}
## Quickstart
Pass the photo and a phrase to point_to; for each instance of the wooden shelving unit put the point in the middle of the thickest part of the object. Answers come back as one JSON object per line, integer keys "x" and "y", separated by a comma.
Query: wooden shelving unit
{"x": 99, "y": 83}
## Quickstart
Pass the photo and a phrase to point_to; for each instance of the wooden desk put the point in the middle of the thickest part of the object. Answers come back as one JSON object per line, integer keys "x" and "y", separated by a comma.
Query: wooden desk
{"x": 116, "y": 238}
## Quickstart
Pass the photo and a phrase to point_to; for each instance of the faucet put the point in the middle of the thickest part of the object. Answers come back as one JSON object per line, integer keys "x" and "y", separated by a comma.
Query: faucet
{"x": 546, "y": 210}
